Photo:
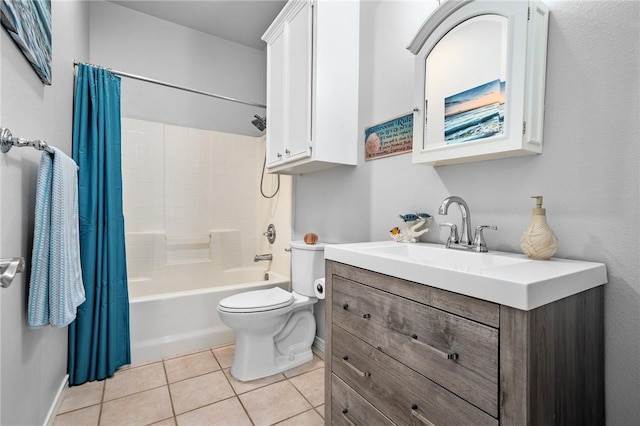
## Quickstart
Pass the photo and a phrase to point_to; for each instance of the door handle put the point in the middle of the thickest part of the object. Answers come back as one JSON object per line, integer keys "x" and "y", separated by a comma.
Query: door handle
{"x": 9, "y": 267}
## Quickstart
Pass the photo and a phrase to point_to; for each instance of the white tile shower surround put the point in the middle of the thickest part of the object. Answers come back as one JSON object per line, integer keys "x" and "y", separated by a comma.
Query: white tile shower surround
{"x": 192, "y": 197}
{"x": 197, "y": 389}
{"x": 183, "y": 183}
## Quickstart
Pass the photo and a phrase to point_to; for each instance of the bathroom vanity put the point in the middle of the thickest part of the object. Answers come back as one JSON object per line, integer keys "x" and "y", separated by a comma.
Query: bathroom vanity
{"x": 419, "y": 334}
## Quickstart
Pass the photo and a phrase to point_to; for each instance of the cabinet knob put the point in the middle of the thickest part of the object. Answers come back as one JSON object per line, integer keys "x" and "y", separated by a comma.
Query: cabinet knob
{"x": 286, "y": 151}
{"x": 359, "y": 372}
{"x": 345, "y": 411}
{"x": 420, "y": 417}
{"x": 279, "y": 155}
{"x": 445, "y": 355}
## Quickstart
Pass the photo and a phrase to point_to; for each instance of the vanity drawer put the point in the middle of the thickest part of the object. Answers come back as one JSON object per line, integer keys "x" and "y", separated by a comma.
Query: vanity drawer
{"x": 349, "y": 408}
{"x": 481, "y": 311}
{"x": 459, "y": 354}
{"x": 396, "y": 390}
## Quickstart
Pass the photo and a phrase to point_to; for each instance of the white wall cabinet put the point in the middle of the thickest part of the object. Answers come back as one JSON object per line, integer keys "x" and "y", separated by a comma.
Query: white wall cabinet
{"x": 312, "y": 86}
{"x": 480, "y": 81}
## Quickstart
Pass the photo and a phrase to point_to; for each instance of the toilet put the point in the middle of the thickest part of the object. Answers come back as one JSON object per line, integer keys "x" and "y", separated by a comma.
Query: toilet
{"x": 275, "y": 328}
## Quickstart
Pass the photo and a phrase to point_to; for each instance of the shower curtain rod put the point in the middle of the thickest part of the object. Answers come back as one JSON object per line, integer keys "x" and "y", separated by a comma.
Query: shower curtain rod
{"x": 174, "y": 86}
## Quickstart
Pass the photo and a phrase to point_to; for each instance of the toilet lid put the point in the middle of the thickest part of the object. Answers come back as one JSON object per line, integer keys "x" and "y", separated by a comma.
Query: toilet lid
{"x": 257, "y": 301}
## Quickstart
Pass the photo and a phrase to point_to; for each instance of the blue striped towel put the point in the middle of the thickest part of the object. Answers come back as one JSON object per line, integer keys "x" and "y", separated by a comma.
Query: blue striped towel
{"x": 56, "y": 289}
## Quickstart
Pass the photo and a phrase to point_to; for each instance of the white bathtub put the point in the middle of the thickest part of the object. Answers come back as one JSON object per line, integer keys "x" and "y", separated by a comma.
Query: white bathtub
{"x": 178, "y": 321}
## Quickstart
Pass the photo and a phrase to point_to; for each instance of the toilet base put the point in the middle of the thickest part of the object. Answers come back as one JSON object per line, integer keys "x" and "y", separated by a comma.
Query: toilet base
{"x": 281, "y": 365}
{"x": 257, "y": 356}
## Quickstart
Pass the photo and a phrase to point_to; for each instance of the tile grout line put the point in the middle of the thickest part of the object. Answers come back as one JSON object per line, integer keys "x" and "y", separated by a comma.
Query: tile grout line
{"x": 104, "y": 390}
{"x": 301, "y": 394}
{"x": 236, "y": 395}
{"x": 166, "y": 378}
{"x": 295, "y": 415}
{"x": 207, "y": 405}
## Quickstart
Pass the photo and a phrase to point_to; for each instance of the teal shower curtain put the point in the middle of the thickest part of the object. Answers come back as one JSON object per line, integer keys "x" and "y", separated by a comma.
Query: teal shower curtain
{"x": 99, "y": 337}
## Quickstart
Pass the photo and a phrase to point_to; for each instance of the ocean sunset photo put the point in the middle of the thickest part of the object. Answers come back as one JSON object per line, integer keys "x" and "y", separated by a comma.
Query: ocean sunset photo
{"x": 474, "y": 114}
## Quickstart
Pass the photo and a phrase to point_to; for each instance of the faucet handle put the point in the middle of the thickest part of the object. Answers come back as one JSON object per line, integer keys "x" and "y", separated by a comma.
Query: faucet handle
{"x": 479, "y": 243}
{"x": 453, "y": 234}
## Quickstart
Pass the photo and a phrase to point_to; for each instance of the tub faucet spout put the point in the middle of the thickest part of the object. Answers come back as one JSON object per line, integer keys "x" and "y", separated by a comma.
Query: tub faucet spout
{"x": 260, "y": 257}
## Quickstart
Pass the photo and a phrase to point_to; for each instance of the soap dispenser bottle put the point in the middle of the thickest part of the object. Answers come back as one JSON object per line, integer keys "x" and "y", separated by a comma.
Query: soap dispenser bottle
{"x": 538, "y": 240}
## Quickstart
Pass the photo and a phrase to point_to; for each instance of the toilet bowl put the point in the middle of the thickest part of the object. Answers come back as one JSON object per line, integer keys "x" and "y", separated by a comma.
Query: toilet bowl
{"x": 275, "y": 328}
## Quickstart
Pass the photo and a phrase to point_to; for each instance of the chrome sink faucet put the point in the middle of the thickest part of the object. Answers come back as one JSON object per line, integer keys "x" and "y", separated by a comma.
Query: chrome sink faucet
{"x": 465, "y": 229}
{"x": 465, "y": 241}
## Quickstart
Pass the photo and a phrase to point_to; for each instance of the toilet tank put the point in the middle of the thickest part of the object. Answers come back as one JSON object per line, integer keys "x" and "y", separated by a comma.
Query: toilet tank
{"x": 307, "y": 265}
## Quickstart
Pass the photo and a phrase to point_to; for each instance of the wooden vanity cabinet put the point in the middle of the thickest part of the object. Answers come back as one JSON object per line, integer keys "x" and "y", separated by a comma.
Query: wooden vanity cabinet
{"x": 399, "y": 352}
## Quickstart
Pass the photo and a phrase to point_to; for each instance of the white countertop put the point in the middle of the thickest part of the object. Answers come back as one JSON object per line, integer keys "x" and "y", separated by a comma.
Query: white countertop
{"x": 505, "y": 278}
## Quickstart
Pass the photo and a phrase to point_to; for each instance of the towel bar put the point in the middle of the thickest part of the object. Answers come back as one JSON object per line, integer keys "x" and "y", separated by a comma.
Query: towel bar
{"x": 7, "y": 141}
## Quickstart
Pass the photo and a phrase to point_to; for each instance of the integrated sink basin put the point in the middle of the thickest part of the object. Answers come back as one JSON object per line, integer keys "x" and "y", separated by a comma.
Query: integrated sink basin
{"x": 506, "y": 278}
{"x": 436, "y": 256}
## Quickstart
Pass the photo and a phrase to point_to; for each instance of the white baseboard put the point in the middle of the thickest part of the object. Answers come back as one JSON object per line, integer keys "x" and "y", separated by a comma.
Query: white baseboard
{"x": 318, "y": 343}
{"x": 51, "y": 415}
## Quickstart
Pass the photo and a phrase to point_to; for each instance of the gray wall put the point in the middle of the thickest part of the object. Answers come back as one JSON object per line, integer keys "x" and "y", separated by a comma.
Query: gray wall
{"x": 130, "y": 41}
{"x": 588, "y": 172}
{"x": 34, "y": 361}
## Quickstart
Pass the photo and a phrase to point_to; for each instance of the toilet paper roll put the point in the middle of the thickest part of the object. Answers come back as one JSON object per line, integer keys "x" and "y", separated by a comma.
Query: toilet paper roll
{"x": 318, "y": 288}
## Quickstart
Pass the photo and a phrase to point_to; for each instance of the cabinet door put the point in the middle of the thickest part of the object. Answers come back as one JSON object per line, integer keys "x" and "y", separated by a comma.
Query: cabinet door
{"x": 298, "y": 79}
{"x": 276, "y": 99}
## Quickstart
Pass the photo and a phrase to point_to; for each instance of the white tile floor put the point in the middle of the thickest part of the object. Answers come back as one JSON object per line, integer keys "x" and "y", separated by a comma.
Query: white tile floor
{"x": 197, "y": 389}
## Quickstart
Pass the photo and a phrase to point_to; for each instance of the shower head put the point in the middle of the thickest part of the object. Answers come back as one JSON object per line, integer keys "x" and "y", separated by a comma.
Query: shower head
{"x": 260, "y": 122}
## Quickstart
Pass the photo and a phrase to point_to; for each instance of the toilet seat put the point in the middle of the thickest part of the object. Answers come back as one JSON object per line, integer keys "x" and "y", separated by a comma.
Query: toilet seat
{"x": 257, "y": 301}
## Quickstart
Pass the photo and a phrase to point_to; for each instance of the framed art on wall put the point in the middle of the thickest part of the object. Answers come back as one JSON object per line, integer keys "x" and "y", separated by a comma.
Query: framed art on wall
{"x": 391, "y": 137}
{"x": 29, "y": 24}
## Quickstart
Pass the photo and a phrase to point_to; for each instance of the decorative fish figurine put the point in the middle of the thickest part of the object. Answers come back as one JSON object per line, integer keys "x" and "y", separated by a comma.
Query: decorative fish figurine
{"x": 412, "y": 224}
{"x": 410, "y": 217}
{"x": 396, "y": 234}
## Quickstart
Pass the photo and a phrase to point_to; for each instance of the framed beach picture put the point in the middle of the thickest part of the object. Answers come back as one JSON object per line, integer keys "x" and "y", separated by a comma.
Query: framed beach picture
{"x": 29, "y": 24}
{"x": 474, "y": 113}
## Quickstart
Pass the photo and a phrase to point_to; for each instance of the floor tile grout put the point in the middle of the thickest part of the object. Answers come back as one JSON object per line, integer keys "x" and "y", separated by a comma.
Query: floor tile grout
{"x": 104, "y": 391}
{"x": 166, "y": 379}
{"x": 300, "y": 392}
{"x": 290, "y": 417}
{"x": 236, "y": 395}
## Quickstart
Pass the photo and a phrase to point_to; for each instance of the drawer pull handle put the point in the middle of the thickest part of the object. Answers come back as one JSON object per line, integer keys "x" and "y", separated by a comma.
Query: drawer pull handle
{"x": 346, "y": 308}
{"x": 345, "y": 411}
{"x": 420, "y": 417}
{"x": 360, "y": 373}
{"x": 445, "y": 355}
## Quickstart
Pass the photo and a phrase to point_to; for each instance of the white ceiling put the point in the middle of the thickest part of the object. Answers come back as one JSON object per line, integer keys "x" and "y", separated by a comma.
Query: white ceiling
{"x": 240, "y": 21}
